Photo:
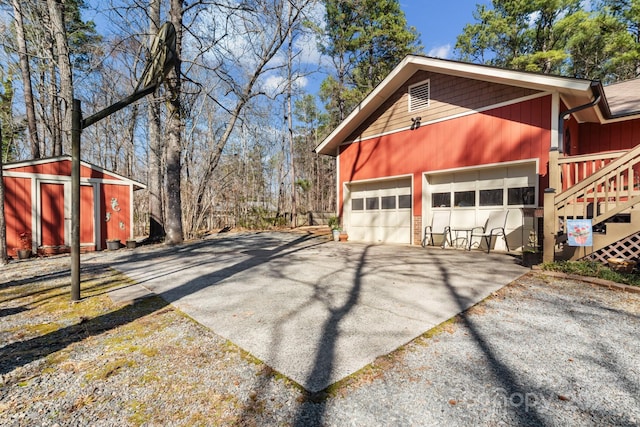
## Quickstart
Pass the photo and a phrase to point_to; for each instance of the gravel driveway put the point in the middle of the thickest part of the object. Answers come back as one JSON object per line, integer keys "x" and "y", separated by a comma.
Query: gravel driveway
{"x": 541, "y": 351}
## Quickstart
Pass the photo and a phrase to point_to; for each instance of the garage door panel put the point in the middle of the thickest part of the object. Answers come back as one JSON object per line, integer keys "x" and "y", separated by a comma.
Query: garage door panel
{"x": 505, "y": 178}
{"x": 382, "y": 219}
{"x": 491, "y": 174}
{"x": 392, "y": 234}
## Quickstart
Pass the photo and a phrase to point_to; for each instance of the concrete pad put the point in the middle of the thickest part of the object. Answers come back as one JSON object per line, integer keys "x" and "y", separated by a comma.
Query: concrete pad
{"x": 314, "y": 310}
{"x": 129, "y": 294}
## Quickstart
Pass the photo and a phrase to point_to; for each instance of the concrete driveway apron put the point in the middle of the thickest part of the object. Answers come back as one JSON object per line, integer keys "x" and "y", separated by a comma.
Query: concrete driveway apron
{"x": 317, "y": 311}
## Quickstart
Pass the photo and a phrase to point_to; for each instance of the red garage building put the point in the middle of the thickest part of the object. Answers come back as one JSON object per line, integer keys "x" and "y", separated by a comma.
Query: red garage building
{"x": 38, "y": 204}
{"x": 440, "y": 137}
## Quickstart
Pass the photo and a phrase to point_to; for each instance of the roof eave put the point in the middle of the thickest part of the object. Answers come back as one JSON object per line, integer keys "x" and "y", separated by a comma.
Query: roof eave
{"x": 412, "y": 63}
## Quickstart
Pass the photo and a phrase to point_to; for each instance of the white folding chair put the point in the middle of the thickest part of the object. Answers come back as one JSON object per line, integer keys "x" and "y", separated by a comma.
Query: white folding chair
{"x": 440, "y": 227}
{"x": 494, "y": 226}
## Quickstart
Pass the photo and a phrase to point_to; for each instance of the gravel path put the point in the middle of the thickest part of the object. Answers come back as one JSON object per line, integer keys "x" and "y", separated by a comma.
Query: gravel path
{"x": 539, "y": 352}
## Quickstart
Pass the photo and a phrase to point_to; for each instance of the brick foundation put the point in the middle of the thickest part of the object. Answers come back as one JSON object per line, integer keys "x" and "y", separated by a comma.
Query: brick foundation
{"x": 417, "y": 230}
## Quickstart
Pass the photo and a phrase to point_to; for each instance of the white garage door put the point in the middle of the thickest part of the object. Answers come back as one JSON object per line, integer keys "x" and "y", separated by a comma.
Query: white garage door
{"x": 470, "y": 195}
{"x": 379, "y": 212}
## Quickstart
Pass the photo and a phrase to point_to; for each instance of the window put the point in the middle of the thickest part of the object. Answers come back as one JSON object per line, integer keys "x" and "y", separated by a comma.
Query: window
{"x": 419, "y": 96}
{"x": 464, "y": 198}
{"x": 373, "y": 203}
{"x": 441, "y": 200}
{"x": 404, "y": 201}
{"x": 357, "y": 204}
{"x": 491, "y": 197}
{"x": 521, "y": 196}
{"x": 388, "y": 202}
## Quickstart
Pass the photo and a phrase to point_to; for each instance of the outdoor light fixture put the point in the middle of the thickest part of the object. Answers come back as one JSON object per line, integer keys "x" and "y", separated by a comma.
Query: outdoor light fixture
{"x": 415, "y": 122}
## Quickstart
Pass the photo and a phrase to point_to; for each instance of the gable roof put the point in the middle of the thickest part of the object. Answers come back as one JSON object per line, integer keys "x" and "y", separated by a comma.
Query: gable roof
{"x": 24, "y": 163}
{"x": 573, "y": 92}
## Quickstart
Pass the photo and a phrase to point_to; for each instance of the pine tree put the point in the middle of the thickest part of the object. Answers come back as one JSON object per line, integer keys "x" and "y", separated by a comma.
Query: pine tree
{"x": 365, "y": 40}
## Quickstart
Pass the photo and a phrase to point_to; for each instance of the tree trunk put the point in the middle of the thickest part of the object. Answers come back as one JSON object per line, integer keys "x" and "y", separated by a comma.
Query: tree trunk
{"x": 156, "y": 220}
{"x": 56, "y": 126}
{"x": 294, "y": 207}
{"x": 3, "y": 224}
{"x": 56, "y": 15}
{"x": 174, "y": 137}
{"x": 129, "y": 150}
{"x": 25, "y": 70}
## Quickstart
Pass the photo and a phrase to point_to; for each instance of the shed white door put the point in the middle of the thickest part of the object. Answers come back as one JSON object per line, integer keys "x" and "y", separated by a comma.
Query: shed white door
{"x": 379, "y": 212}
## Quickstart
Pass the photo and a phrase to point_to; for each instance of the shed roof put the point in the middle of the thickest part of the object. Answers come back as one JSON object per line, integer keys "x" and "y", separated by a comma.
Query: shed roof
{"x": 574, "y": 92}
{"x": 26, "y": 163}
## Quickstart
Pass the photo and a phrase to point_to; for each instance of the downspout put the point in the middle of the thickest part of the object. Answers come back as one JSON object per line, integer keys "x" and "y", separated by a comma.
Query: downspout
{"x": 597, "y": 91}
{"x": 550, "y": 219}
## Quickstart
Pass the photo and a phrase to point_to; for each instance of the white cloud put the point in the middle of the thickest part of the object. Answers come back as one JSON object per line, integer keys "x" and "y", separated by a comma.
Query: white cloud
{"x": 443, "y": 51}
{"x": 275, "y": 84}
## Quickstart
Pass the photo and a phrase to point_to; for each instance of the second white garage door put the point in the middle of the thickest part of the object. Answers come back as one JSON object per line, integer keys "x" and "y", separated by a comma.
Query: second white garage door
{"x": 379, "y": 212}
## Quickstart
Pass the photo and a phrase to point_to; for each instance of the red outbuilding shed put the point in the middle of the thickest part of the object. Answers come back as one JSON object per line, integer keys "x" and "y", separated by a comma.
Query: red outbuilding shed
{"x": 38, "y": 204}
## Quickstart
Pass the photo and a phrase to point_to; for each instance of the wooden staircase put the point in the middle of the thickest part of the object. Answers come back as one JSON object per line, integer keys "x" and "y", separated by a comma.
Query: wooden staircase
{"x": 605, "y": 188}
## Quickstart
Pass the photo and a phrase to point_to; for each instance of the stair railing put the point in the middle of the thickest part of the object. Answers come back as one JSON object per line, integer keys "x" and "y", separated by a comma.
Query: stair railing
{"x": 608, "y": 191}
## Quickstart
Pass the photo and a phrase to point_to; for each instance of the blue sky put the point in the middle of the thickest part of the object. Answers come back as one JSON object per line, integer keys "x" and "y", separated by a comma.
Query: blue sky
{"x": 439, "y": 22}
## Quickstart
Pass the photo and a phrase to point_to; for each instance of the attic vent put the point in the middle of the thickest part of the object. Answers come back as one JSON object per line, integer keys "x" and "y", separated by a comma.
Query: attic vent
{"x": 419, "y": 96}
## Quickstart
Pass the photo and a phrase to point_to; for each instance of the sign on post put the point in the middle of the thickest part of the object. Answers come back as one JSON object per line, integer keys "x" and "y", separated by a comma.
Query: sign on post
{"x": 579, "y": 232}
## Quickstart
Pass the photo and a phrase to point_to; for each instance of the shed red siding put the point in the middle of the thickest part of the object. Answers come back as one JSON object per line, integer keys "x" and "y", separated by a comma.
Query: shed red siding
{"x": 38, "y": 201}
{"x": 17, "y": 193}
{"x": 52, "y": 216}
{"x": 119, "y": 223}
{"x": 509, "y": 133}
{"x": 87, "y": 234}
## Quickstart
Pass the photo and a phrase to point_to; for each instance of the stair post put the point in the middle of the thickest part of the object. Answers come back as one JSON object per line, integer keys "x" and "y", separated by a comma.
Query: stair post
{"x": 549, "y": 227}
{"x": 550, "y": 215}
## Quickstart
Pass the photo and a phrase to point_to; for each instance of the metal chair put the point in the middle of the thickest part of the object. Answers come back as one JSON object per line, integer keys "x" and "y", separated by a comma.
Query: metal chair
{"x": 440, "y": 227}
{"x": 494, "y": 226}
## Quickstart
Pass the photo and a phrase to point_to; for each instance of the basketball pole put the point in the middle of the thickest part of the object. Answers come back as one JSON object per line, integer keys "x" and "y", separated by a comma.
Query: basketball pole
{"x": 78, "y": 124}
{"x": 152, "y": 76}
{"x": 76, "y": 130}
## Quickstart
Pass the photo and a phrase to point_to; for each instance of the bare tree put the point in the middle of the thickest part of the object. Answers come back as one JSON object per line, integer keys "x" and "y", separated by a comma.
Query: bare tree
{"x": 264, "y": 28}
{"x": 3, "y": 223}
{"x": 56, "y": 15}
{"x": 173, "y": 224}
{"x": 25, "y": 71}
{"x": 156, "y": 218}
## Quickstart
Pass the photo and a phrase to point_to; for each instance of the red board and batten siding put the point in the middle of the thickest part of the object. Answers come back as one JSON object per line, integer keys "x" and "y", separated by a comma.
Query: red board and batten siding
{"x": 48, "y": 183}
{"x": 509, "y": 133}
{"x": 595, "y": 137}
{"x": 52, "y": 219}
{"x": 17, "y": 194}
{"x": 115, "y": 203}
{"x": 87, "y": 214}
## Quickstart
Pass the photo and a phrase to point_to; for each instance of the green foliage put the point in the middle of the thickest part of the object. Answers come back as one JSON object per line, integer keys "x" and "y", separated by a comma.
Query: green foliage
{"x": 81, "y": 35}
{"x": 365, "y": 39}
{"x": 592, "y": 269}
{"x": 303, "y": 184}
{"x": 334, "y": 223}
{"x": 556, "y": 36}
{"x": 518, "y": 34}
{"x": 10, "y": 129}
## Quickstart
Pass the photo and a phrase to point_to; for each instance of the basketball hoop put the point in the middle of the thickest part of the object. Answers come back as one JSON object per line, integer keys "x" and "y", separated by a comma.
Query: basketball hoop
{"x": 162, "y": 57}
